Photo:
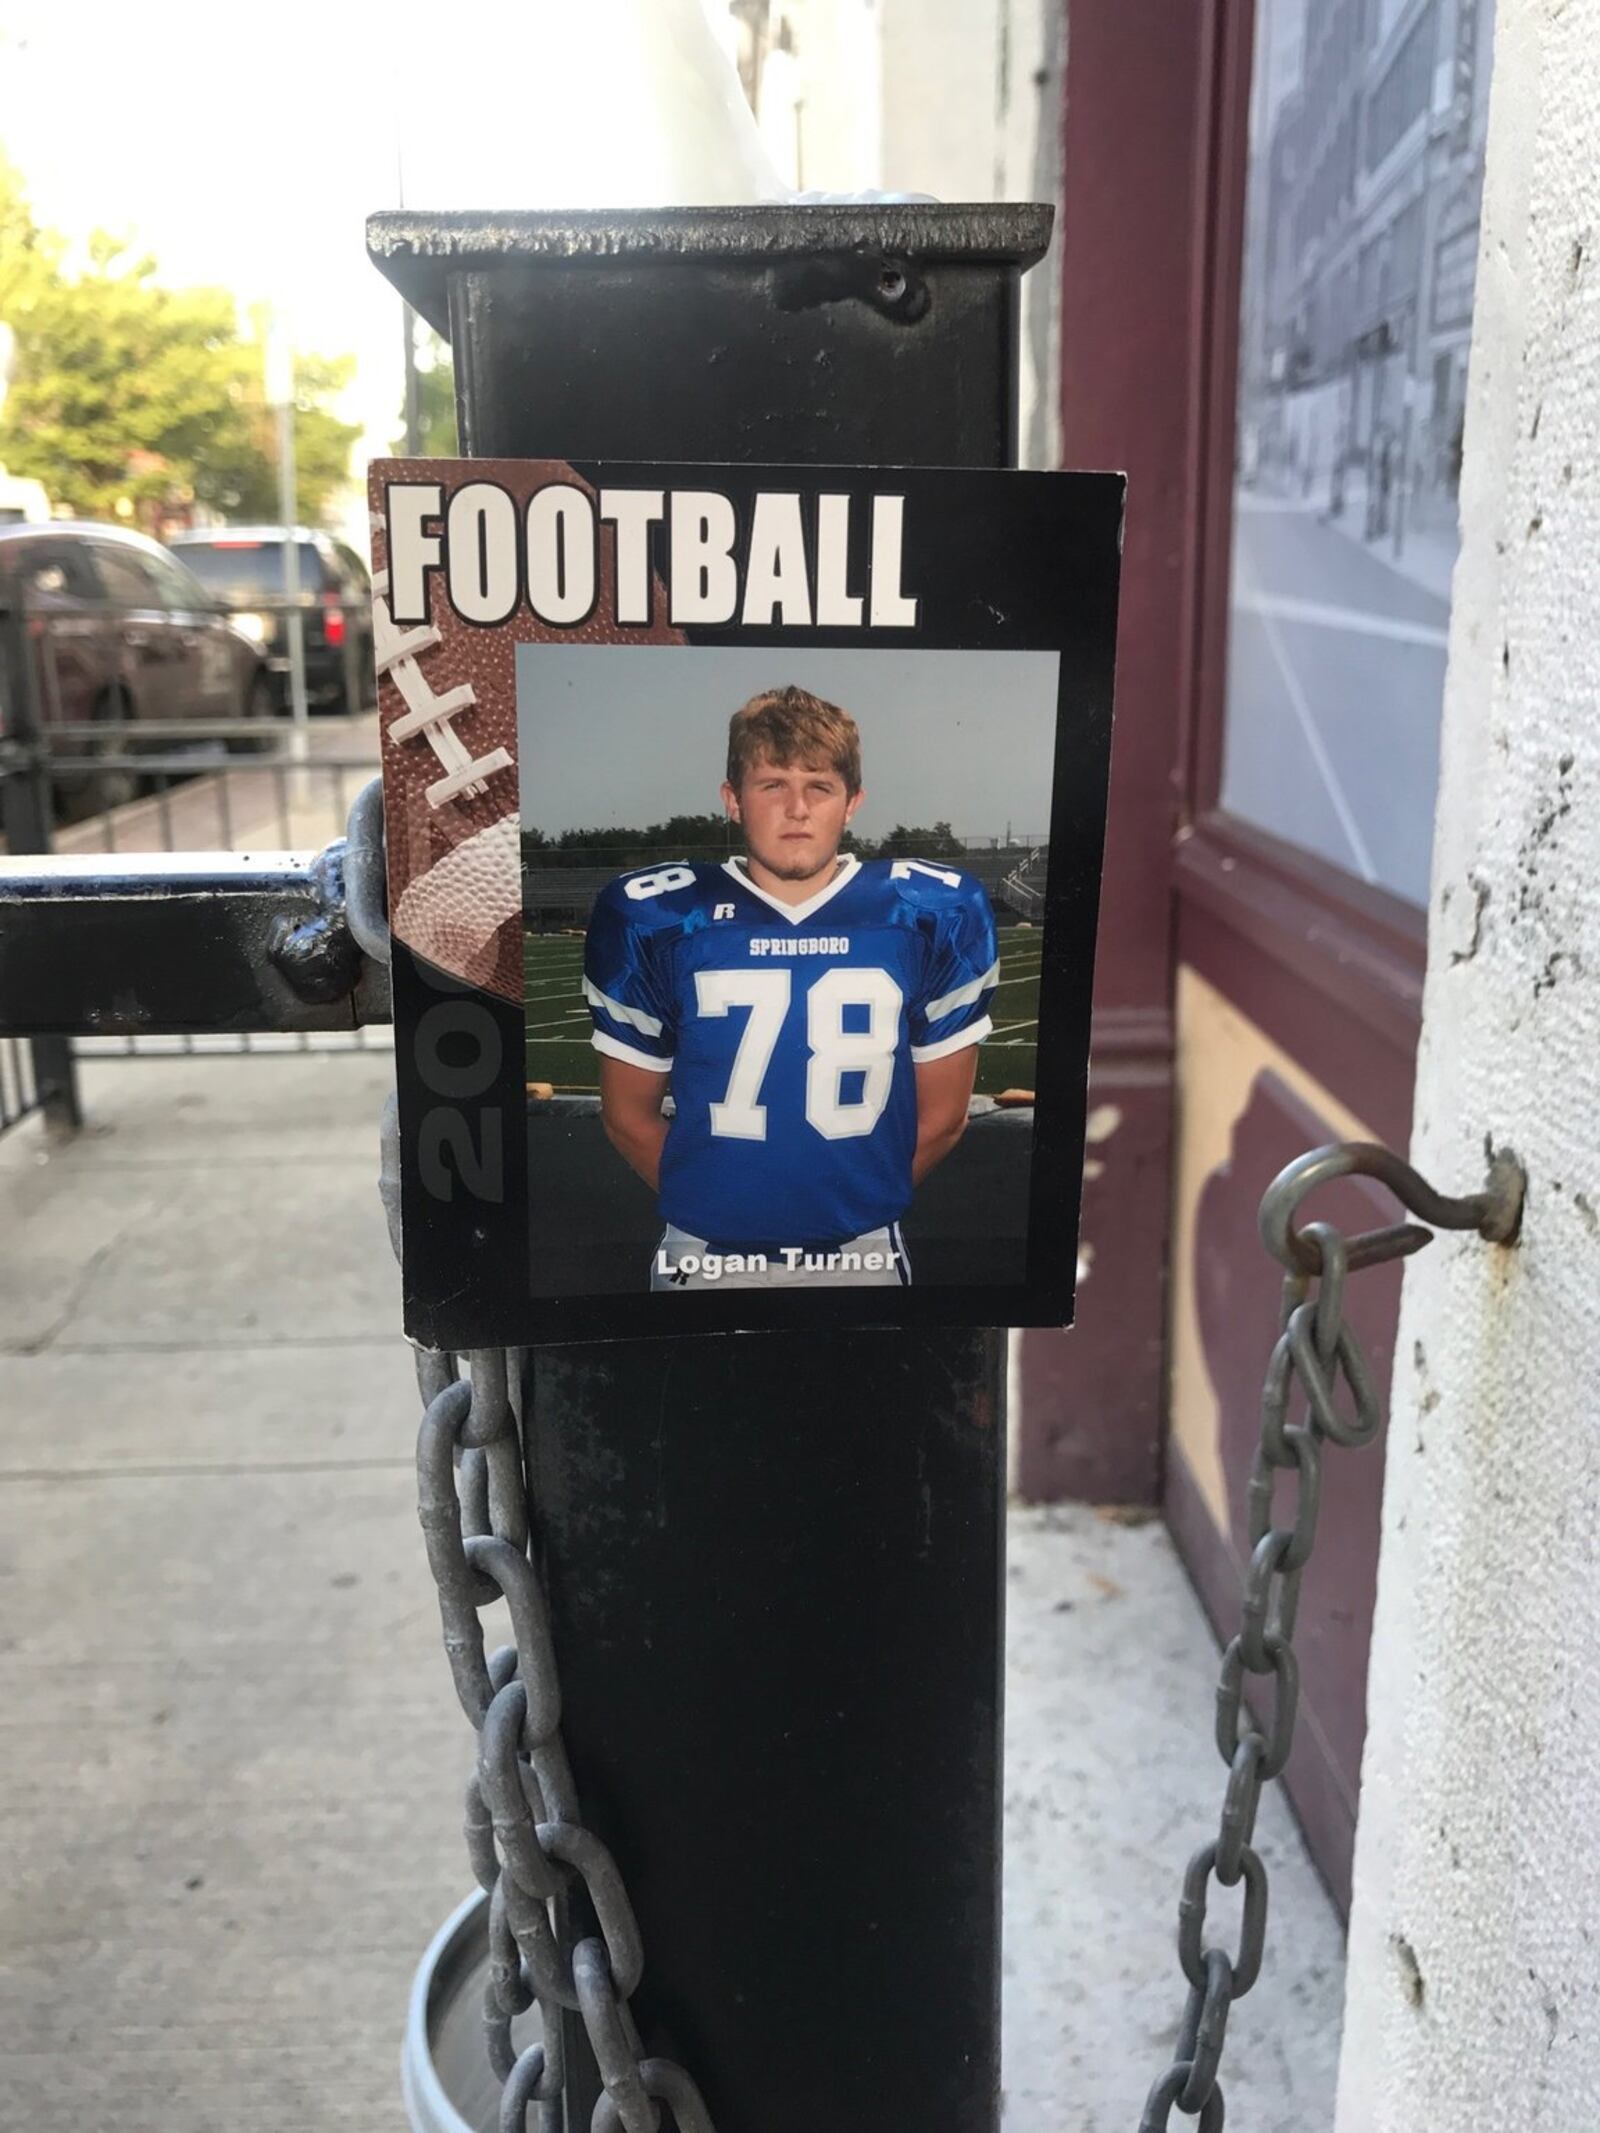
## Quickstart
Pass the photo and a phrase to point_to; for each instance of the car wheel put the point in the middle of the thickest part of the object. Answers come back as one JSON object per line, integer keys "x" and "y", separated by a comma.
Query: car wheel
{"x": 260, "y": 709}
{"x": 91, "y": 788}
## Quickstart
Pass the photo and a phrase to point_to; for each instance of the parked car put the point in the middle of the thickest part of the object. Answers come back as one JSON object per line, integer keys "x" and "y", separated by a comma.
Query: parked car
{"x": 246, "y": 566}
{"x": 123, "y": 633}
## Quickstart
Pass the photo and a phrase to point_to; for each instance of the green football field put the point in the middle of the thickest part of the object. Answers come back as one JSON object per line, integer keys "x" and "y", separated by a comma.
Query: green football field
{"x": 559, "y": 1050}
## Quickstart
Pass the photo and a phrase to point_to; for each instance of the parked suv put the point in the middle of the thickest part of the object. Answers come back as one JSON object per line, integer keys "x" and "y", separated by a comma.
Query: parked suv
{"x": 122, "y": 632}
{"x": 245, "y": 566}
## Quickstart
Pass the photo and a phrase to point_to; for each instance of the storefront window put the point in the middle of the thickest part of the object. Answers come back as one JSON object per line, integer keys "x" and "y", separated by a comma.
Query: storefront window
{"x": 1361, "y": 227}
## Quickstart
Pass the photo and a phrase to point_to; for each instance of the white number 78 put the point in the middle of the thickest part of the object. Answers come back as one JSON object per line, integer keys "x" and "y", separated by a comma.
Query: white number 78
{"x": 739, "y": 1117}
{"x": 832, "y": 1051}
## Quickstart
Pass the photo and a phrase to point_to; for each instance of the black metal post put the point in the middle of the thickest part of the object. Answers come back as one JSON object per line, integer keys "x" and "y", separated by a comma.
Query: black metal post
{"x": 25, "y": 823}
{"x": 775, "y": 1563}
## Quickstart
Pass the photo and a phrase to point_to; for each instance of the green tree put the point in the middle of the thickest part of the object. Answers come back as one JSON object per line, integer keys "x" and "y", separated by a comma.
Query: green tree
{"x": 123, "y": 389}
{"x": 623, "y": 846}
{"x": 939, "y": 842}
{"x": 243, "y": 482}
{"x": 436, "y": 401}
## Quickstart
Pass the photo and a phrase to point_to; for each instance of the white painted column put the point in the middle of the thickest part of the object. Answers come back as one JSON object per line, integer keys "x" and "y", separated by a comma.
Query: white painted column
{"x": 1474, "y": 1981}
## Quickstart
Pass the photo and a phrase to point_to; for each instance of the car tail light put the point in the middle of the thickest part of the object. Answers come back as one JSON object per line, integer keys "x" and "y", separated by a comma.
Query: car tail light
{"x": 333, "y": 620}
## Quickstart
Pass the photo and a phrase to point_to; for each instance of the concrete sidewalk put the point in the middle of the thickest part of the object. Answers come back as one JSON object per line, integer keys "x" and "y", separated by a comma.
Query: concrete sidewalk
{"x": 233, "y": 1758}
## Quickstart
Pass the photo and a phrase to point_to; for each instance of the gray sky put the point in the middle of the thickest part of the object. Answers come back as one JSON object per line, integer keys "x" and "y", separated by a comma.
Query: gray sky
{"x": 621, "y": 735}
{"x": 80, "y": 87}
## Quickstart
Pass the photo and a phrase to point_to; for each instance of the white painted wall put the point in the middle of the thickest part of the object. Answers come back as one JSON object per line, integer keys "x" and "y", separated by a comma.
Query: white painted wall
{"x": 972, "y": 94}
{"x": 940, "y": 63}
{"x": 821, "y": 105}
{"x": 960, "y": 99}
{"x": 1474, "y": 1984}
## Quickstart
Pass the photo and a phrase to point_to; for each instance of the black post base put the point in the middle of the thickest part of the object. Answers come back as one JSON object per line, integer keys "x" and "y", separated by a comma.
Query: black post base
{"x": 775, "y": 1568}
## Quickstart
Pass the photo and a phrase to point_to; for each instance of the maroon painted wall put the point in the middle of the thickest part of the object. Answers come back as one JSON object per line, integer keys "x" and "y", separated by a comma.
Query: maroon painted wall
{"x": 1093, "y": 1399}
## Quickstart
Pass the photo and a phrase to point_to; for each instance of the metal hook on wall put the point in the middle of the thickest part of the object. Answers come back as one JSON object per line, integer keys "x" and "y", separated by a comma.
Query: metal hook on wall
{"x": 1495, "y": 1212}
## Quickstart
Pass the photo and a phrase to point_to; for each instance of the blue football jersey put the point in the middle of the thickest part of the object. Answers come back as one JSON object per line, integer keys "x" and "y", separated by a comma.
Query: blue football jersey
{"x": 792, "y": 1033}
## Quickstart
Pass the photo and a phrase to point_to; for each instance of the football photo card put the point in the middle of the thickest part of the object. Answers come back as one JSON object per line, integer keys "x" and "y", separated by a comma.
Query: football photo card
{"x": 743, "y": 833}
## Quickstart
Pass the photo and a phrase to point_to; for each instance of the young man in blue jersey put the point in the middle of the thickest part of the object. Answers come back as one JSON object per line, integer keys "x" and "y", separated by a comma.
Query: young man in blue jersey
{"x": 814, "y": 1017}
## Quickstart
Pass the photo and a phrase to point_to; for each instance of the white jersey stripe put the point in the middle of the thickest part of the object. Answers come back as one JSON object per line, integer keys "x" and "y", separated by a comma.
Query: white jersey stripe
{"x": 963, "y": 996}
{"x": 974, "y": 1033}
{"x": 635, "y": 1017}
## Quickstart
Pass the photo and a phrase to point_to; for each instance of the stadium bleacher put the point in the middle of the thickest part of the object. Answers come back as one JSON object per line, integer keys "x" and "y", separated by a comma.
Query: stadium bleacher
{"x": 555, "y": 898}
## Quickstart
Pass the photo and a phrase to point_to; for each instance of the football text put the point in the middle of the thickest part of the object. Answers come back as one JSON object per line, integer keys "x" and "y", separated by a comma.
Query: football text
{"x": 680, "y": 555}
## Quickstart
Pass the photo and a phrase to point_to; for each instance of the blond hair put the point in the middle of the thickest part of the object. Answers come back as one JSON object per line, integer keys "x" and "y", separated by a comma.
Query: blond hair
{"x": 790, "y": 725}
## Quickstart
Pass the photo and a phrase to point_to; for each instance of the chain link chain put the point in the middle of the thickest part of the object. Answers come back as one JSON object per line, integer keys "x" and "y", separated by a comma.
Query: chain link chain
{"x": 1255, "y": 1745}
{"x": 526, "y": 1839}
{"x": 525, "y": 1836}
{"x": 1317, "y": 1350}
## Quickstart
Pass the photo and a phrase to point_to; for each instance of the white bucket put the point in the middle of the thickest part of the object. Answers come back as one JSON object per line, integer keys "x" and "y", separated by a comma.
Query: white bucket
{"x": 445, "y": 2075}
